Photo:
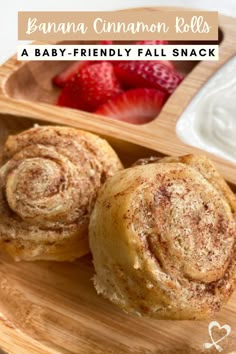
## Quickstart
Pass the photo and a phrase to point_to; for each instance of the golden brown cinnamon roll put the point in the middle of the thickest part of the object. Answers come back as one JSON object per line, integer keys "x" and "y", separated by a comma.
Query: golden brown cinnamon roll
{"x": 163, "y": 236}
{"x": 49, "y": 183}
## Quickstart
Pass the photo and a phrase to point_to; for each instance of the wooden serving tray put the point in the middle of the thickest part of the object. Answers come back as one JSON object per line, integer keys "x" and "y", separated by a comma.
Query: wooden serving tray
{"x": 48, "y": 307}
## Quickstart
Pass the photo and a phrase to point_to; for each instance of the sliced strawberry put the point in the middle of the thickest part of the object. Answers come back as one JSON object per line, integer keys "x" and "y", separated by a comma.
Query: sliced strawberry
{"x": 66, "y": 75}
{"x": 156, "y": 42}
{"x": 150, "y": 74}
{"x": 93, "y": 86}
{"x": 151, "y": 42}
{"x": 105, "y": 42}
{"x": 137, "y": 106}
{"x": 167, "y": 63}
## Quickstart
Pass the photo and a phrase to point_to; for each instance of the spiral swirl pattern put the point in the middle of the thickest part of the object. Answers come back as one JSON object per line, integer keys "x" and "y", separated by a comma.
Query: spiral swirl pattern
{"x": 174, "y": 225}
{"x": 49, "y": 183}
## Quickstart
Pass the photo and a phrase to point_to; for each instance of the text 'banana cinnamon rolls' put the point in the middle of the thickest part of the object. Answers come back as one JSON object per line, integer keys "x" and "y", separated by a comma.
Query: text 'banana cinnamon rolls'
{"x": 163, "y": 237}
{"x": 49, "y": 183}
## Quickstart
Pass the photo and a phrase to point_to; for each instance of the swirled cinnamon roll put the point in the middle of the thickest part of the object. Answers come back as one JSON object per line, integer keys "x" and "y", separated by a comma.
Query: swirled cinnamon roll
{"x": 163, "y": 238}
{"x": 48, "y": 186}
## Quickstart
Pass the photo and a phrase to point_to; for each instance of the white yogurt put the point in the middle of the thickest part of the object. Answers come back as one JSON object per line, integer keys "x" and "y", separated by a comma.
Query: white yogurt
{"x": 209, "y": 122}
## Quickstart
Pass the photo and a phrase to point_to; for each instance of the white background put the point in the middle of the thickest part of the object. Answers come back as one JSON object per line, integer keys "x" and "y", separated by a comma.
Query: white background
{"x": 9, "y": 9}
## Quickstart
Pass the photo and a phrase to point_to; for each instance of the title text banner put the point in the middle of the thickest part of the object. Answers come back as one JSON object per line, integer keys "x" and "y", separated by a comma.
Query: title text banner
{"x": 118, "y": 52}
{"x": 118, "y": 25}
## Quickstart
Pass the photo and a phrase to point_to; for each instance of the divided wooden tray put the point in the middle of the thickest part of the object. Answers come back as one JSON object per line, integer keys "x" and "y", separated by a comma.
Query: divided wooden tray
{"x": 48, "y": 307}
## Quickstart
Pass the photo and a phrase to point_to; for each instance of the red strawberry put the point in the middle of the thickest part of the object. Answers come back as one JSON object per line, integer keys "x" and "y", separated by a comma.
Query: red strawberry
{"x": 105, "y": 42}
{"x": 151, "y": 42}
{"x": 137, "y": 106}
{"x": 156, "y": 42}
{"x": 73, "y": 69}
{"x": 150, "y": 74}
{"x": 93, "y": 86}
{"x": 167, "y": 63}
{"x": 66, "y": 75}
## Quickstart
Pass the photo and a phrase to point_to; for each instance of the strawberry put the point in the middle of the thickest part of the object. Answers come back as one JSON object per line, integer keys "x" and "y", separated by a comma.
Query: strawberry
{"x": 66, "y": 75}
{"x": 137, "y": 106}
{"x": 107, "y": 42}
{"x": 93, "y": 86}
{"x": 150, "y": 74}
{"x": 156, "y": 42}
{"x": 166, "y": 63}
{"x": 152, "y": 42}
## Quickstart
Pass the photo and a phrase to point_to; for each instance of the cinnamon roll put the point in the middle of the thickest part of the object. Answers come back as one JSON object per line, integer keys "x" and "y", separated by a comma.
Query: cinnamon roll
{"x": 49, "y": 182}
{"x": 163, "y": 236}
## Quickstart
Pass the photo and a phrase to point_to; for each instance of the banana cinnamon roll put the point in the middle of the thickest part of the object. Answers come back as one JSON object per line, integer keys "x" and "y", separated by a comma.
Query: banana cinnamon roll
{"x": 49, "y": 182}
{"x": 163, "y": 237}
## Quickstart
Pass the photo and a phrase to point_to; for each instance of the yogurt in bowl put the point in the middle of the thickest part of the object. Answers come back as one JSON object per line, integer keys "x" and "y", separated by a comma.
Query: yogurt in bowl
{"x": 209, "y": 121}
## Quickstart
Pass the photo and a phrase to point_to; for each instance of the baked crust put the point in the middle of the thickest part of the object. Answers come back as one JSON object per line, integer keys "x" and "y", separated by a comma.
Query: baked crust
{"x": 163, "y": 236}
{"x": 49, "y": 182}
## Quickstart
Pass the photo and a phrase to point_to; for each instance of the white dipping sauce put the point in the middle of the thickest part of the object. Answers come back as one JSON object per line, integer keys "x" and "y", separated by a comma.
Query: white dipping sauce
{"x": 209, "y": 122}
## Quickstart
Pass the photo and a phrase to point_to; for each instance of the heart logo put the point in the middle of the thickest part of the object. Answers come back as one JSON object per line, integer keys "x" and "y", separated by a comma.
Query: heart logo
{"x": 227, "y": 330}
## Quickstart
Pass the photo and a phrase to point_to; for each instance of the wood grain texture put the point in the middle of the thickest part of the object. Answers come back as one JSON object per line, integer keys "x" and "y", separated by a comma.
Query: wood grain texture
{"x": 48, "y": 307}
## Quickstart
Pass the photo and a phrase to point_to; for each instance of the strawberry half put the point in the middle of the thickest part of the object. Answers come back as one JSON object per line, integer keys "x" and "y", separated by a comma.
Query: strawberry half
{"x": 137, "y": 106}
{"x": 152, "y": 42}
{"x": 66, "y": 75}
{"x": 106, "y": 42}
{"x": 93, "y": 86}
{"x": 157, "y": 42}
{"x": 150, "y": 74}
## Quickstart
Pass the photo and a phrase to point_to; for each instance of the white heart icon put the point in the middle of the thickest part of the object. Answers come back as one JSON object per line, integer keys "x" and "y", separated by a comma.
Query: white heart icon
{"x": 214, "y": 343}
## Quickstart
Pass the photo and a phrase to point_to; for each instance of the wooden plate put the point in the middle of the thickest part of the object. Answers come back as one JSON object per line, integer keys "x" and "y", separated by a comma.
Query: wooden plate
{"x": 26, "y": 89}
{"x": 48, "y": 307}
